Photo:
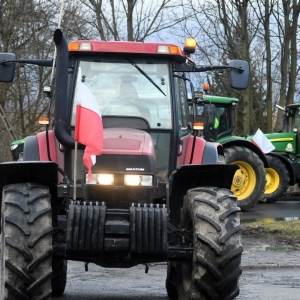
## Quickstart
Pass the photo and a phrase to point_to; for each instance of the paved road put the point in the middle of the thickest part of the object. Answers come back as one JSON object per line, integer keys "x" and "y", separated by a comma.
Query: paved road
{"x": 266, "y": 274}
{"x": 115, "y": 284}
{"x": 278, "y": 210}
{"x": 280, "y": 283}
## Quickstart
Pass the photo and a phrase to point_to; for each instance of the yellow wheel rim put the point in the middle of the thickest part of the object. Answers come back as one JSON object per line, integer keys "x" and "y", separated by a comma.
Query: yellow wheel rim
{"x": 244, "y": 180}
{"x": 273, "y": 181}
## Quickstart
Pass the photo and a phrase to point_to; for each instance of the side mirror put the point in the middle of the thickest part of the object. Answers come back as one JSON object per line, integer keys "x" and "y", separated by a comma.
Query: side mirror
{"x": 209, "y": 111}
{"x": 198, "y": 95}
{"x": 7, "y": 67}
{"x": 239, "y": 75}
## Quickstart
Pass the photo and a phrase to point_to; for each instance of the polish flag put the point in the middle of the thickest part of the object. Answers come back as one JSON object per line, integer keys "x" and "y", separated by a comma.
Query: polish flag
{"x": 261, "y": 141}
{"x": 88, "y": 126}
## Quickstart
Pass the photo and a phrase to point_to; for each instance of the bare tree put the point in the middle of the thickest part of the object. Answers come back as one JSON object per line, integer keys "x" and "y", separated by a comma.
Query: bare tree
{"x": 232, "y": 40}
{"x": 252, "y": 30}
{"x": 25, "y": 31}
{"x": 287, "y": 19}
{"x": 142, "y": 18}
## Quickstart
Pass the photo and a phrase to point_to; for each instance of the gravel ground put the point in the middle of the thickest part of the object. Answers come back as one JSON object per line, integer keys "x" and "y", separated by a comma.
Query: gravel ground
{"x": 266, "y": 275}
{"x": 269, "y": 274}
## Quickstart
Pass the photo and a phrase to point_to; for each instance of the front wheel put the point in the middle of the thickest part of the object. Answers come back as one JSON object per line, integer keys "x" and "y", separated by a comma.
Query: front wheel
{"x": 26, "y": 242}
{"x": 212, "y": 217}
{"x": 249, "y": 181}
{"x": 277, "y": 180}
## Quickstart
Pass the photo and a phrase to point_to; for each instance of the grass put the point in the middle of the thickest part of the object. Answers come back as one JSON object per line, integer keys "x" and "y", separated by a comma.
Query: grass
{"x": 288, "y": 230}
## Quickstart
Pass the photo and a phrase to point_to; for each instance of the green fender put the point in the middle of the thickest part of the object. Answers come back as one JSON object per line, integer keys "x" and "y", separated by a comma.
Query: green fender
{"x": 231, "y": 141}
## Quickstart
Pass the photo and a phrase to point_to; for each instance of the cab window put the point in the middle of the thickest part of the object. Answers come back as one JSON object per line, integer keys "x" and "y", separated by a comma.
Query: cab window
{"x": 182, "y": 106}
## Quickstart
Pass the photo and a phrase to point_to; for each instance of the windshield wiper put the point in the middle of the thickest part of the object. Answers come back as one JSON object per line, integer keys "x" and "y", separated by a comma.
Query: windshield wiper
{"x": 146, "y": 75}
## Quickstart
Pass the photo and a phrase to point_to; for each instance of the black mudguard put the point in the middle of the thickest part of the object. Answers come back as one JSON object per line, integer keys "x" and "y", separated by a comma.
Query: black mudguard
{"x": 192, "y": 176}
{"x": 44, "y": 173}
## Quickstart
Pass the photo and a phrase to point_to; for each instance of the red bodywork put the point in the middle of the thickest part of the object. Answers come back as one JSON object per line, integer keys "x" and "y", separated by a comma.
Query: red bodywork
{"x": 127, "y": 141}
{"x": 116, "y": 141}
{"x": 56, "y": 154}
{"x": 187, "y": 146}
{"x": 42, "y": 144}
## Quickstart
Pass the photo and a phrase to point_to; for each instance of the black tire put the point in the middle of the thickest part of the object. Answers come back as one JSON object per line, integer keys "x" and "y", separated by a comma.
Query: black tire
{"x": 26, "y": 242}
{"x": 249, "y": 181}
{"x": 59, "y": 279}
{"x": 277, "y": 180}
{"x": 213, "y": 217}
{"x": 171, "y": 281}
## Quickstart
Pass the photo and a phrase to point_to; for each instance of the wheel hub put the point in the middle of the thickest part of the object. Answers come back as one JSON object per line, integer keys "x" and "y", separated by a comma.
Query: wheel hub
{"x": 237, "y": 181}
{"x": 273, "y": 181}
{"x": 244, "y": 180}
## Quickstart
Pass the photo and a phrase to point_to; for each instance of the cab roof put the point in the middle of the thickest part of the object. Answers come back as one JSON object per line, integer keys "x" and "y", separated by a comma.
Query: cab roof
{"x": 143, "y": 48}
{"x": 220, "y": 99}
{"x": 294, "y": 105}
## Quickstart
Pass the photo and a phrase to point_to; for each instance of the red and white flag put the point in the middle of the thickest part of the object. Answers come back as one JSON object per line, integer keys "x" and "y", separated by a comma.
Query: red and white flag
{"x": 88, "y": 126}
{"x": 260, "y": 140}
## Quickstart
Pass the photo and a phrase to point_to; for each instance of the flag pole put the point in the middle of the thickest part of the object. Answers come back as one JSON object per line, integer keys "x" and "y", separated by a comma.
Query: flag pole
{"x": 75, "y": 170}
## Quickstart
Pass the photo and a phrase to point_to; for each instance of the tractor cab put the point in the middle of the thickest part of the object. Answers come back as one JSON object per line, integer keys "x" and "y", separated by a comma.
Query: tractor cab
{"x": 133, "y": 93}
{"x": 288, "y": 140}
{"x": 217, "y": 114}
{"x": 292, "y": 118}
{"x": 140, "y": 90}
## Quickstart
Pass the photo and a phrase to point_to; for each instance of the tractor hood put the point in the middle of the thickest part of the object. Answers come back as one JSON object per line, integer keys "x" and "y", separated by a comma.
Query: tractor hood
{"x": 283, "y": 142}
{"x": 127, "y": 141}
{"x": 126, "y": 150}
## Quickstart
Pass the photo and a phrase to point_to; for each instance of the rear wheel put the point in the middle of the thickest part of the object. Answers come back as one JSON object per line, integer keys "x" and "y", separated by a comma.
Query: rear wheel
{"x": 59, "y": 279}
{"x": 277, "y": 180}
{"x": 26, "y": 242}
{"x": 249, "y": 181}
{"x": 212, "y": 216}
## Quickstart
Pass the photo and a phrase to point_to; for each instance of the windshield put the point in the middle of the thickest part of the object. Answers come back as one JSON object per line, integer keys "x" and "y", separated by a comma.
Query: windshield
{"x": 222, "y": 119}
{"x": 135, "y": 88}
{"x": 296, "y": 120}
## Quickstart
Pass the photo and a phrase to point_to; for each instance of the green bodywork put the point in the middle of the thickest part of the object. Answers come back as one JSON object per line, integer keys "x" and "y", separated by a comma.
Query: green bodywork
{"x": 287, "y": 142}
{"x": 220, "y": 99}
{"x": 283, "y": 142}
{"x": 18, "y": 142}
{"x": 225, "y": 107}
{"x": 16, "y": 149}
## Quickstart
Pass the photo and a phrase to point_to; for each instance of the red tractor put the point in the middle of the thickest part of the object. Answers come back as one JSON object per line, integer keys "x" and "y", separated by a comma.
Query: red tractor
{"x": 157, "y": 193}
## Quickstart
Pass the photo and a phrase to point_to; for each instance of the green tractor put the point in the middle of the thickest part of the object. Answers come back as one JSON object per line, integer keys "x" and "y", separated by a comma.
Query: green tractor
{"x": 284, "y": 160}
{"x": 16, "y": 149}
{"x": 214, "y": 121}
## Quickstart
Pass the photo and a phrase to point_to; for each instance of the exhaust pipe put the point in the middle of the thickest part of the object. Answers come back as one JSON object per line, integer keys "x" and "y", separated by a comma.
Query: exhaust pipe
{"x": 61, "y": 91}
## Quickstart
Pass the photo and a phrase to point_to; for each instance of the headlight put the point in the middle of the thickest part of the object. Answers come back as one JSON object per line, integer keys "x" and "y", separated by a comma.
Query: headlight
{"x": 136, "y": 180}
{"x": 102, "y": 179}
{"x": 13, "y": 147}
{"x": 129, "y": 179}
